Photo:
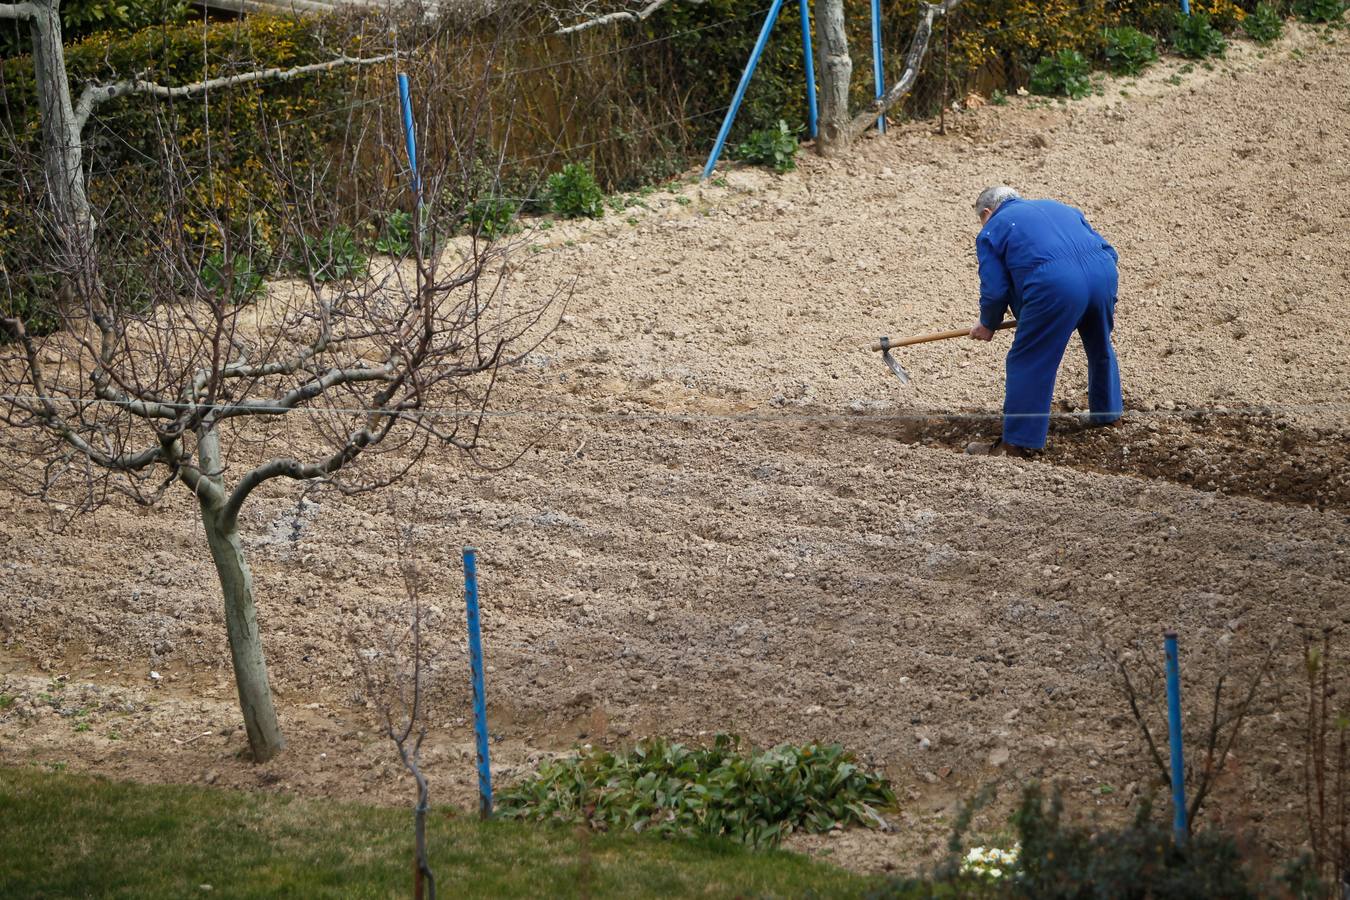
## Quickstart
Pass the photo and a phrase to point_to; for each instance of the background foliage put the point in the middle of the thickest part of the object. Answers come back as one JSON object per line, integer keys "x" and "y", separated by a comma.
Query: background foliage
{"x": 635, "y": 104}
{"x": 81, "y": 18}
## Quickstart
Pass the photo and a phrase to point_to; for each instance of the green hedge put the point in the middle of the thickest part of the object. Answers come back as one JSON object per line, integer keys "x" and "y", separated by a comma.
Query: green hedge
{"x": 82, "y": 18}
{"x": 125, "y": 154}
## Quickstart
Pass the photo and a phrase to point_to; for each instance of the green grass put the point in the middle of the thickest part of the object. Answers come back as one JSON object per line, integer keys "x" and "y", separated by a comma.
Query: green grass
{"x": 75, "y": 836}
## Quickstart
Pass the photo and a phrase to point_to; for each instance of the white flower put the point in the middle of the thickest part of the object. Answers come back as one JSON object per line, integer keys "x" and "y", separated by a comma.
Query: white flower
{"x": 990, "y": 862}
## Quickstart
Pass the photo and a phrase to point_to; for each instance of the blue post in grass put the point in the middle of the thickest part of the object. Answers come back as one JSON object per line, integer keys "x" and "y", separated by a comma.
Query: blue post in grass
{"x": 877, "y": 71}
{"x": 479, "y": 693}
{"x": 736, "y": 99}
{"x": 1174, "y": 737}
{"x": 811, "y": 114}
{"x": 1186, "y": 7}
{"x": 410, "y": 138}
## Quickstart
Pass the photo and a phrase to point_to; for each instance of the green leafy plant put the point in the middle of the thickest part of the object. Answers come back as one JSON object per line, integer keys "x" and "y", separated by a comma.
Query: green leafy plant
{"x": 1263, "y": 24}
{"x": 28, "y": 301}
{"x": 235, "y": 279}
{"x": 999, "y": 97}
{"x": 335, "y": 255}
{"x": 81, "y": 18}
{"x": 1195, "y": 36}
{"x": 492, "y": 217}
{"x": 1129, "y": 51}
{"x": 6, "y": 701}
{"x": 1062, "y": 74}
{"x": 574, "y": 193}
{"x": 1318, "y": 11}
{"x": 773, "y": 147}
{"x": 397, "y": 235}
{"x": 755, "y": 798}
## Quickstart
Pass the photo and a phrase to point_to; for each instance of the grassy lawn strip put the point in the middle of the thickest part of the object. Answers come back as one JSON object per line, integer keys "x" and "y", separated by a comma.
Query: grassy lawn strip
{"x": 75, "y": 836}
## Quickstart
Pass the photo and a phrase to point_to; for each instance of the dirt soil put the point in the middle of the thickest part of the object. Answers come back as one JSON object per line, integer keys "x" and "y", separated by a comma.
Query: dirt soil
{"x": 733, "y": 518}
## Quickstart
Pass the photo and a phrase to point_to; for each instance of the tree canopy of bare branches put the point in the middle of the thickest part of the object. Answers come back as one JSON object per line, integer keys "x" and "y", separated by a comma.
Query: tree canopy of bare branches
{"x": 168, "y": 373}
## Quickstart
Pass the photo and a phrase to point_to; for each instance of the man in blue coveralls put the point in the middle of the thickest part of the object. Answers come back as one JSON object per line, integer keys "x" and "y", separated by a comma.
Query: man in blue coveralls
{"x": 1044, "y": 260}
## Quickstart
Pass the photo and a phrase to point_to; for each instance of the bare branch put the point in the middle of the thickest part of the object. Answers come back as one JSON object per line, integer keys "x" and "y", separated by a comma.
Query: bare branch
{"x": 18, "y": 11}
{"x": 307, "y": 391}
{"x": 622, "y": 15}
{"x": 1132, "y": 697}
{"x": 95, "y": 94}
{"x": 918, "y": 49}
{"x": 294, "y": 469}
{"x": 1214, "y": 767}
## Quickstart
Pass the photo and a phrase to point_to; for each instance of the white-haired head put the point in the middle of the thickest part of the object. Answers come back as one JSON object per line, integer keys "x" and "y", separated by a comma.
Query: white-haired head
{"x": 991, "y": 198}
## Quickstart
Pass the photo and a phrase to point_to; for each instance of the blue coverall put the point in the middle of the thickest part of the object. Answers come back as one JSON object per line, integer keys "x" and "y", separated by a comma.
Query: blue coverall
{"x": 1044, "y": 260}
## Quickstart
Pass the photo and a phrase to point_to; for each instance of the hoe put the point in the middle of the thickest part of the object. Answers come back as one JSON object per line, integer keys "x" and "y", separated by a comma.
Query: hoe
{"x": 885, "y": 345}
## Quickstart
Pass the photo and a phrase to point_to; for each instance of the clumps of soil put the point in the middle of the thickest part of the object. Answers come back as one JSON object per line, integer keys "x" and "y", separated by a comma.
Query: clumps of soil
{"x": 1259, "y": 455}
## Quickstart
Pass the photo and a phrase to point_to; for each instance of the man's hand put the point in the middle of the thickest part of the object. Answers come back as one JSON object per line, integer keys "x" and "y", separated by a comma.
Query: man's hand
{"x": 980, "y": 333}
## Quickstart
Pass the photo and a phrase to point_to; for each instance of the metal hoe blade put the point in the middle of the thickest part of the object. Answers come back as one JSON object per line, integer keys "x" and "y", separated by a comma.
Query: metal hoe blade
{"x": 891, "y": 362}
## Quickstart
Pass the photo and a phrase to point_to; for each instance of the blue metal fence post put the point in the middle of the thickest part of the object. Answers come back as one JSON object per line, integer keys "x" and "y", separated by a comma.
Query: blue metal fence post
{"x": 1186, "y": 7}
{"x": 877, "y": 69}
{"x": 1179, "y": 829}
{"x": 736, "y": 99}
{"x": 812, "y": 116}
{"x": 479, "y": 691}
{"x": 410, "y": 140}
{"x": 410, "y": 136}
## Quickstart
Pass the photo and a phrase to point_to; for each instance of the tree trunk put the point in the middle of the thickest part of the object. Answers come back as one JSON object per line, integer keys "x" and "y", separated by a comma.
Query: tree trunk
{"x": 241, "y": 617}
{"x": 63, "y": 156}
{"x": 836, "y": 70}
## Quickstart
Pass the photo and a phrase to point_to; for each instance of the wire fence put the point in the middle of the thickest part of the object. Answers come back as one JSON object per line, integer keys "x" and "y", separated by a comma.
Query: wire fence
{"x": 777, "y": 417}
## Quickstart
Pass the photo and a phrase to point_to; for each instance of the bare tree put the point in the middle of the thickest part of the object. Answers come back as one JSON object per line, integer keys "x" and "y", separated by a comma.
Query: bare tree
{"x": 1222, "y": 729}
{"x": 172, "y": 376}
{"x": 836, "y": 73}
{"x": 837, "y": 129}
{"x": 396, "y": 674}
{"x": 1326, "y": 764}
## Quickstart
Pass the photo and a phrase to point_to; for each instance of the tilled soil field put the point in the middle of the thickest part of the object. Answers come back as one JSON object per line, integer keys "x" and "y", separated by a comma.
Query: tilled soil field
{"x": 730, "y": 517}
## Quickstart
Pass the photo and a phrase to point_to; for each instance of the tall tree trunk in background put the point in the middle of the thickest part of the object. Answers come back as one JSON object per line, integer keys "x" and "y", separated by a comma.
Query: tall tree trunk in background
{"x": 836, "y": 70}
{"x": 63, "y": 157}
{"x": 241, "y": 616}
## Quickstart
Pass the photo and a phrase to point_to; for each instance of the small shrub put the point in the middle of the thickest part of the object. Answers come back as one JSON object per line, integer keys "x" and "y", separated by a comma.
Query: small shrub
{"x": 397, "y": 235}
{"x": 236, "y": 279}
{"x": 1053, "y": 857}
{"x": 999, "y": 97}
{"x": 1195, "y": 37}
{"x": 773, "y": 147}
{"x": 756, "y": 798}
{"x": 335, "y": 255}
{"x": 1062, "y": 74}
{"x": 1318, "y": 11}
{"x": 492, "y": 217}
{"x": 574, "y": 193}
{"x": 1225, "y": 15}
{"x": 1129, "y": 51}
{"x": 1264, "y": 24}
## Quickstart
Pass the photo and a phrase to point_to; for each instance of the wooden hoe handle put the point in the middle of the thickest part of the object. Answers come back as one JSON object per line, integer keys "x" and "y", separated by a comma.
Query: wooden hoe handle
{"x": 887, "y": 344}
